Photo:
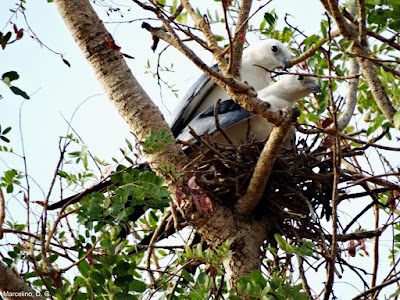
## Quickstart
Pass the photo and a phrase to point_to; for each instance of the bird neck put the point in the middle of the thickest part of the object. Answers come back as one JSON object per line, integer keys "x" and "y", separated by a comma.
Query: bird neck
{"x": 255, "y": 76}
{"x": 282, "y": 91}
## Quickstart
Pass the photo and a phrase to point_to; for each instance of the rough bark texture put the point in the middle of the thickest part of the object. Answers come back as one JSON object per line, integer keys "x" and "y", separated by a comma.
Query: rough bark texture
{"x": 245, "y": 234}
{"x": 131, "y": 101}
{"x": 249, "y": 202}
{"x": 13, "y": 287}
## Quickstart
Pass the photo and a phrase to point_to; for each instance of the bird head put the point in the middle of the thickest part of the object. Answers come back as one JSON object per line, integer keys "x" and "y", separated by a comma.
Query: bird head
{"x": 290, "y": 89}
{"x": 300, "y": 86}
{"x": 308, "y": 84}
{"x": 269, "y": 54}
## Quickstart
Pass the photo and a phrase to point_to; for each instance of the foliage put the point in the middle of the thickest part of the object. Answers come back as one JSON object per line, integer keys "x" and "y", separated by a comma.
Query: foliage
{"x": 112, "y": 241}
{"x": 257, "y": 287}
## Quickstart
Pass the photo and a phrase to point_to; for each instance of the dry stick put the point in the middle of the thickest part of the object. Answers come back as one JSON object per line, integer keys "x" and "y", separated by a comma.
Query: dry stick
{"x": 151, "y": 246}
{"x": 363, "y": 42}
{"x": 376, "y": 248}
{"x": 376, "y": 288}
{"x": 357, "y": 235}
{"x": 366, "y": 65}
{"x": 336, "y": 179}
{"x": 353, "y": 76}
{"x": 210, "y": 37}
{"x": 311, "y": 51}
{"x": 265, "y": 163}
{"x": 303, "y": 278}
{"x": 390, "y": 42}
{"x": 2, "y": 212}
{"x": 217, "y": 125}
{"x": 236, "y": 45}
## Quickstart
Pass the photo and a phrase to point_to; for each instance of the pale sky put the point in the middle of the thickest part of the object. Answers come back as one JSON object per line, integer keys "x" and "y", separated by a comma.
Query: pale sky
{"x": 57, "y": 90}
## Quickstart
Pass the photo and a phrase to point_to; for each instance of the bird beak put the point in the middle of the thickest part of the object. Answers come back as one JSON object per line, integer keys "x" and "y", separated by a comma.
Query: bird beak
{"x": 316, "y": 89}
{"x": 285, "y": 64}
{"x": 313, "y": 87}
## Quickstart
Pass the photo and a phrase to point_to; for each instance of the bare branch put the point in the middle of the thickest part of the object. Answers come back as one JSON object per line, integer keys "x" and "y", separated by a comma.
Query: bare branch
{"x": 2, "y": 212}
{"x": 17, "y": 287}
{"x": 210, "y": 37}
{"x": 351, "y": 99}
{"x": 390, "y": 42}
{"x": 237, "y": 44}
{"x": 265, "y": 163}
{"x": 376, "y": 288}
{"x": 311, "y": 51}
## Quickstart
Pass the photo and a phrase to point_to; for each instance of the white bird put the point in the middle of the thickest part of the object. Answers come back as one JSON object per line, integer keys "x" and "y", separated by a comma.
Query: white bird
{"x": 257, "y": 59}
{"x": 238, "y": 123}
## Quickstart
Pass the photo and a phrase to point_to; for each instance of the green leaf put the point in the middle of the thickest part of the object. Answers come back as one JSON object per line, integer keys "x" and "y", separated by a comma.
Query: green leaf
{"x": 12, "y": 75}
{"x": 7, "y": 130}
{"x": 137, "y": 285}
{"x": 396, "y": 120}
{"x": 4, "y": 38}
{"x": 19, "y": 92}
{"x": 4, "y": 139}
{"x": 269, "y": 18}
{"x": 281, "y": 242}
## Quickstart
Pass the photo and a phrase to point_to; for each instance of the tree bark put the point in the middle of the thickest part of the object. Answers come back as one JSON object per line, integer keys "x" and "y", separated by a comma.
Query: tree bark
{"x": 117, "y": 80}
{"x": 245, "y": 235}
{"x": 13, "y": 287}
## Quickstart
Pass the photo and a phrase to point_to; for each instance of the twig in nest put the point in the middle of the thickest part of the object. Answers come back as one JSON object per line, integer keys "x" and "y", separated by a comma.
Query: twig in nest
{"x": 205, "y": 143}
{"x": 151, "y": 246}
{"x": 217, "y": 125}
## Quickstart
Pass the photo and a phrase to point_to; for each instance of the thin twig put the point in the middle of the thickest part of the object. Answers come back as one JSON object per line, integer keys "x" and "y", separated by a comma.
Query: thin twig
{"x": 376, "y": 288}
{"x": 217, "y": 124}
{"x": 264, "y": 165}
{"x": 151, "y": 244}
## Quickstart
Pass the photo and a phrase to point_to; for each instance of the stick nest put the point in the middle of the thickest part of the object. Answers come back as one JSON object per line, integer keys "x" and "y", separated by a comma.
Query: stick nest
{"x": 297, "y": 193}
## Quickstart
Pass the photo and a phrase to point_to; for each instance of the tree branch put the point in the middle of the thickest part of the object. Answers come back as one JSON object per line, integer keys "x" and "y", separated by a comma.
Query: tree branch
{"x": 237, "y": 44}
{"x": 351, "y": 99}
{"x": 15, "y": 287}
{"x": 376, "y": 288}
{"x": 311, "y": 51}
{"x": 390, "y": 42}
{"x": 210, "y": 37}
{"x": 219, "y": 78}
{"x": 265, "y": 163}
{"x": 367, "y": 67}
{"x": 2, "y": 212}
{"x": 117, "y": 80}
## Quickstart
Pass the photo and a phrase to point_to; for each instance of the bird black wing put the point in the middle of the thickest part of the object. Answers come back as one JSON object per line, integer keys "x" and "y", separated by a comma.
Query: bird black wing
{"x": 229, "y": 113}
{"x": 192, "y": 101}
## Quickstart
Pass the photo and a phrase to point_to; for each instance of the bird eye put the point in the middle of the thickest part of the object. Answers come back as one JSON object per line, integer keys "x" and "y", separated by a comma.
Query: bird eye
{"x": 300, "y": 77}
{"x": 274, "y": 48}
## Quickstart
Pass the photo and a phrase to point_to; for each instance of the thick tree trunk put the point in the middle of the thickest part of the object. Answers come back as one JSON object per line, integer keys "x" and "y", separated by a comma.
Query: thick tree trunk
{"x": 13, "y": 287}
{"x": 244, "y": 234}
{"x": 121, "y": 87}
